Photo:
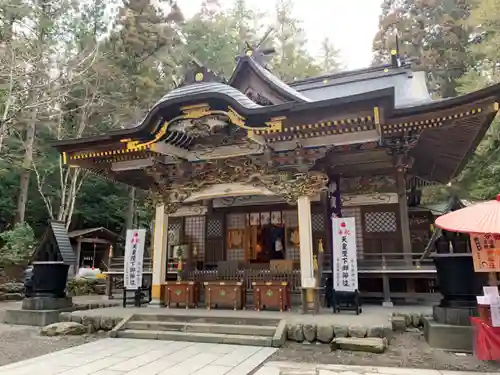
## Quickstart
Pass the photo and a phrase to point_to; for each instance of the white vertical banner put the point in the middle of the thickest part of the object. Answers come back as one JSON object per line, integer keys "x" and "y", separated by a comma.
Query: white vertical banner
{"x": 134, "y": 255}
{"x": 345, "y": 261}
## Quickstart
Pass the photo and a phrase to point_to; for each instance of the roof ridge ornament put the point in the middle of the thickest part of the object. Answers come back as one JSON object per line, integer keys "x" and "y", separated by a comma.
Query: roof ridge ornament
{"x": 395, "y": 56}
{"x": 257, "y": 53}
{"x": 198, "y": 73}
{"x": 396, "y": 60}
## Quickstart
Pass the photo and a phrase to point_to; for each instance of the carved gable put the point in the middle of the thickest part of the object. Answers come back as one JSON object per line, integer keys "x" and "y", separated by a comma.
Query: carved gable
{"x": 258, "y": 98}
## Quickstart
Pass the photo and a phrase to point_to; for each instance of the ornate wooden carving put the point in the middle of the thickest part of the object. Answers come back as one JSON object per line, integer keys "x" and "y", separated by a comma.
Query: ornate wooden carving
{"x": 368, "y": 185}
{"x": 257, "y": 97}
{"x": 171, "y": 186}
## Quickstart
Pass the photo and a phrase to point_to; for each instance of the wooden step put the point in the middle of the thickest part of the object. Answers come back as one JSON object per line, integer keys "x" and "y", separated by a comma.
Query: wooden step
{"x": 224, "y": 329}
{"x": 214, "y": 338}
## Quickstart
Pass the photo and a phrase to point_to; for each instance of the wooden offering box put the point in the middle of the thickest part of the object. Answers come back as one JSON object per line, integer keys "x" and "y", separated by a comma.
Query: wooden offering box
{"x": 271, "y": 295}
{"x": 181, "y": 293}
{"x": 225, "y": 294}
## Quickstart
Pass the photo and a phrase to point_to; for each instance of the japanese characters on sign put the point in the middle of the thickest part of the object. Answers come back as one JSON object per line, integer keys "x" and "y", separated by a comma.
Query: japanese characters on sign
{"x": 134, "y": 254}
{"x": 485, "y": 252}
{"x": 345, "y": 262}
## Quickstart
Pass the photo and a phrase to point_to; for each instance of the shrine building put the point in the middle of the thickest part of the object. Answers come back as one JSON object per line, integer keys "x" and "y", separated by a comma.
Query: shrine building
{"x": 240, "y": 165}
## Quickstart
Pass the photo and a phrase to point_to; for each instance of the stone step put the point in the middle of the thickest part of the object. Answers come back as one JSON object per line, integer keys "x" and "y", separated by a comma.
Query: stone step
{"x": 225, "y": 329}
{"x": 213, "y": 338}
{"x": 231, "y": 320}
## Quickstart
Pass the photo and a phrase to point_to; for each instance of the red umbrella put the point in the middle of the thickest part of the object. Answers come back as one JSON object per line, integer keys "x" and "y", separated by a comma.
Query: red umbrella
{"x": 479, "y": 218}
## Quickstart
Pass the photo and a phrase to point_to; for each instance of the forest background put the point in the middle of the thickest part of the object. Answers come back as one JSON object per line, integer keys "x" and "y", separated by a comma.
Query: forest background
{"x": 72, "y": 68}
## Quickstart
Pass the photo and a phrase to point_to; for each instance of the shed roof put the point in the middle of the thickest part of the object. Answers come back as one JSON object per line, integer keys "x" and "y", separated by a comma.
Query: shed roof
{"x": 99, "y": 232}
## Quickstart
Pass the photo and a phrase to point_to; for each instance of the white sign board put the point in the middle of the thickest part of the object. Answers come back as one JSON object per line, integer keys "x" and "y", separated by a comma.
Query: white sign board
{"x": 134, "y": 255}
{"x": 495, "y": 313}
{"x": 345, "y": 261}
{"x": 492, "y": 298}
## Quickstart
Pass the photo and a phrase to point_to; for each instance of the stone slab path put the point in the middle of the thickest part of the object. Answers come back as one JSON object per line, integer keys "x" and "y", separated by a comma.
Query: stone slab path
{"x": 292, "y": 368}
{"x": 144, "y": 357}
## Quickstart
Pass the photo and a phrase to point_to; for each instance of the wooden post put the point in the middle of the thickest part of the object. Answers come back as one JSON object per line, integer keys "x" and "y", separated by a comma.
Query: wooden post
{"x": 78, "y": 254}
{"x": 159, "y": 256}
{"x": 387, "y": 290}
{"x": 306, "y": 247}
{"x": 492, "y": 279}
{"x": 328, "y": 236}
{"x": 403, "y": 214}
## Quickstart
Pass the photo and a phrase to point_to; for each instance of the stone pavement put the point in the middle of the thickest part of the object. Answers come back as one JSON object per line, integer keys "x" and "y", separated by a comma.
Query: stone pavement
{"x": 292, "y": 368}
{"x": 144, "y": 357}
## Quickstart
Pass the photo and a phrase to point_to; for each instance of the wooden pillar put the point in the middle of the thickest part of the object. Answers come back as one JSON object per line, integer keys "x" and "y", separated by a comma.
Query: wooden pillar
{"x": 387, "y": 290}
{"x": 404, "y": 218}
{"x": 78, "y": 254}
{"x": 306, "y": 248}
{"x": 328, "y": 246}
{"x": 159, "y": 256}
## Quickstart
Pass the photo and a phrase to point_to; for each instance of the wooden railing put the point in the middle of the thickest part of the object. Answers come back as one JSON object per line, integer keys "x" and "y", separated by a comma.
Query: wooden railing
{"x": 394, "y": 261}
{"x": 371, "y": 262}
{"x": 117, "y": 264}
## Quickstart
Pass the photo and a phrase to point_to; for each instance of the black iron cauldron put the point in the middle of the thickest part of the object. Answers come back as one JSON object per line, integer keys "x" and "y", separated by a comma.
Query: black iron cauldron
{"x": 458, "y": 283}
{"x": 49, "y": 279}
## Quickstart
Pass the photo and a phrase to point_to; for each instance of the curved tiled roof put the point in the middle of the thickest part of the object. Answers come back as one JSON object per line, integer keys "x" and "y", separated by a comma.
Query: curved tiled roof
{"x": 273, "y": 81}
{"x": 278, "y": 82}
{"x": 209, "y": 88}
{"x": 196, "y": 89}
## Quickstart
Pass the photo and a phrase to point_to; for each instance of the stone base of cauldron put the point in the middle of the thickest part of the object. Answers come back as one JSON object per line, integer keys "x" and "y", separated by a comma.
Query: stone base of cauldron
{"x": 467, "y": 302}
{"x": 455, "y": 316}
{"x": 456, "y": 338}
{"x": 39, "y": 311}
{"x": 39, "y": 318}
{"x": 46, "y": 303}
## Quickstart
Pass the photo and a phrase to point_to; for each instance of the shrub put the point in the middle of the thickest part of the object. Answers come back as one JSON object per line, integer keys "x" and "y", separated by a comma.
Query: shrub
{"x": 82, "y": 286}
{"x": 18, "y": 244}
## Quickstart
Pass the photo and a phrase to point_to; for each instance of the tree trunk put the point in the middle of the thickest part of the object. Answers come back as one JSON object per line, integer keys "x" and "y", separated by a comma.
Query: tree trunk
{"x": 26, "y": 170}
{"x": 129, "y": 219}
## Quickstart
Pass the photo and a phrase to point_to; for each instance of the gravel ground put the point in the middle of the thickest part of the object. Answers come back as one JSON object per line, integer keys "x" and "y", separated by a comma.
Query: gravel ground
{"x": 406, "y": 350}
{"x": 18, "y": 343}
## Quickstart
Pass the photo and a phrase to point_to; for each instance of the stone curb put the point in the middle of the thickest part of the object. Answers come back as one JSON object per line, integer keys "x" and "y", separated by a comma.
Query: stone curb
{"x": 352, "y": 369}
{"x": 114, "y": 332}
{"x": 91, "y": 322}
{"x": 400, "y": 322}
{"x": 280, "y": 334}
{"x": 325, "y": 333}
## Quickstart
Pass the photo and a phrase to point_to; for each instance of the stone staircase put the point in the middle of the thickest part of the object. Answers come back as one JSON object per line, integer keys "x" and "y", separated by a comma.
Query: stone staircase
{"x": 208, "y": 329}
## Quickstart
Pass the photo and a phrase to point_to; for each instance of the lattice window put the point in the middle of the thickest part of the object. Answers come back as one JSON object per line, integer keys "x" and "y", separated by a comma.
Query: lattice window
{"x": 292, "y": 253}
{"x": 355, "y": 212}
{"x": 236, "y": 254}
{"x": 291, "y": 219}
{"x": 236, "y": 221}
{"x": 174, "y": 233}
{"x": 318, "y": 222}
{"x": 194, "y": 234}
{"x": 380, "y": 222}
{"x": 214, "y": 228}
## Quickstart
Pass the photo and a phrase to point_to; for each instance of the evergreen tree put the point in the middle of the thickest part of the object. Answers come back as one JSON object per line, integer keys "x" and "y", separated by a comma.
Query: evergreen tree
{"x": 481, "y": 178}
{"x": 292, "y": 60}
{"x": 329, "y": 58}
{"x": 433, "y": 33}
